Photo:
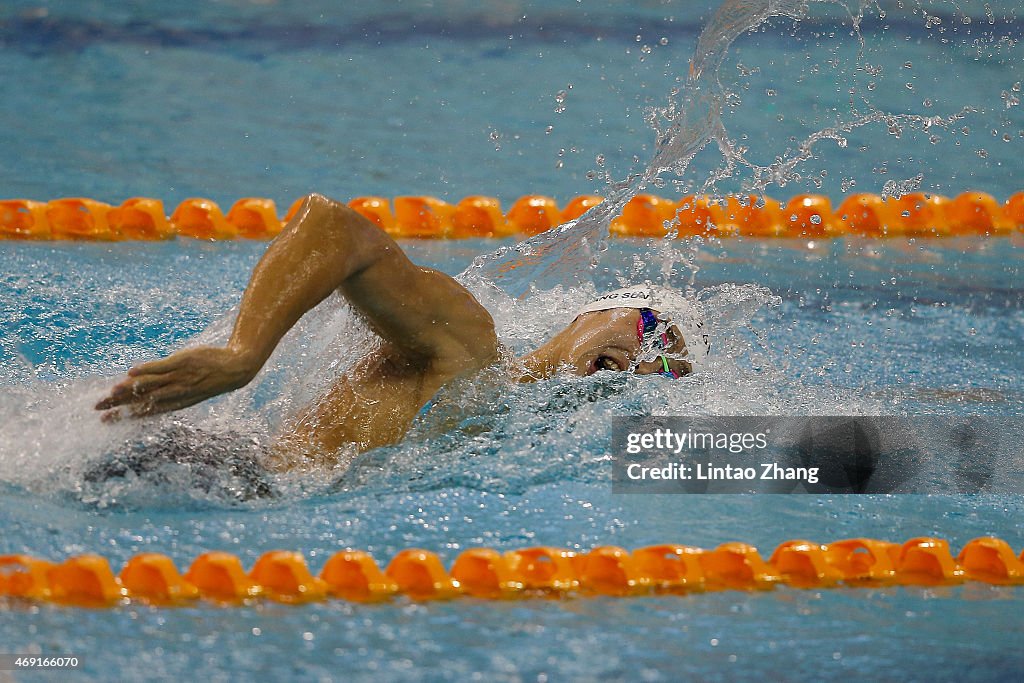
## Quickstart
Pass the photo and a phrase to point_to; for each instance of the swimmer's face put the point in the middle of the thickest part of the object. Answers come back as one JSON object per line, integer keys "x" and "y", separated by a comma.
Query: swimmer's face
{"x": 607, "y": 340}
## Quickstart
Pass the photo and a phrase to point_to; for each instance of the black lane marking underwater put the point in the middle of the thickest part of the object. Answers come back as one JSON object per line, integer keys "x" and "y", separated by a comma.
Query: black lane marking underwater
{"x": 39, "y": 36}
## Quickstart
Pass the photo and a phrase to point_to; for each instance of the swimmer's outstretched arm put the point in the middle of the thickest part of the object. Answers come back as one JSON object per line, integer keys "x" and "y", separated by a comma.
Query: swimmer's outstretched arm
{"x": 429, "y": 322}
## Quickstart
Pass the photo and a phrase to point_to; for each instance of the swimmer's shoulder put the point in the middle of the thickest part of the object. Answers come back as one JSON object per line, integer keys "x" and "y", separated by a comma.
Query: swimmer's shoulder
{"x": 467, "y": 338}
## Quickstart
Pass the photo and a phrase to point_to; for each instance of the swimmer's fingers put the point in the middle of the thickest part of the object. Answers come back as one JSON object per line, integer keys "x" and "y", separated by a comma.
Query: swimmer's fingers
{"x": 167, "y": 399}
{"x": 176, "y": 390}
{"x": 132, "y": 390}
{"x": 182, "y": 380}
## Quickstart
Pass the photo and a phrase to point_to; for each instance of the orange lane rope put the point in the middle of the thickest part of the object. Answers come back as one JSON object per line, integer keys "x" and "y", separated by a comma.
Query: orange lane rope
{"x": 804, "y": 216}
{"x": 283, "y": 576}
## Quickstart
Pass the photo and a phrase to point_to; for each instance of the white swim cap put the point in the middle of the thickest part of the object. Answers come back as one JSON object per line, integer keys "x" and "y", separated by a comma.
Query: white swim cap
{"x": 679, "y": 310}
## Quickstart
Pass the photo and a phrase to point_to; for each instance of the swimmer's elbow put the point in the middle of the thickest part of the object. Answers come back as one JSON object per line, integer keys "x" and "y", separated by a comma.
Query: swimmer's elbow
{"x": 331, "y": 228}
{"x": 329, "y": 219}
{"x": 485, "y": 348}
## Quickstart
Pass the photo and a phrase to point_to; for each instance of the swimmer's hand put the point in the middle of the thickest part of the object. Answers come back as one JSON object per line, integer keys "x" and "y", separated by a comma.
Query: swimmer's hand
{"x": 178, "y": 381}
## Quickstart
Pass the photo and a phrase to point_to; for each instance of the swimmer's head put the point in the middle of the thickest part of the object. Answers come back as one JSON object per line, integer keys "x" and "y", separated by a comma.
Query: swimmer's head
{"x": 643, "y": 329}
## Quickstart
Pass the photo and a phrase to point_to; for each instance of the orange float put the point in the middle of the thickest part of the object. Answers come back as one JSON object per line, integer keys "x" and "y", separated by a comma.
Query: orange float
{"x": 645, "y": 215}
{"x": 23, "y": 219}
{"x": 353, "y": 575}
{"x": 918, "y": 214}
{"x": 219, "y": 576}
{"x": 609, "y": 570}
{"x": 153, "y": 577}
{"x": 140, "y": 218}
{"x": 695, "y": 217}
{"x": 543, "y": 568}
{"x": 202, "y": 219}
{"x": 22, "y": 576}
{"x": 737, "y": 566}
{"x": 804, "y": 564}
{"x": 422, "y": 217}
{"x": 866, "y": 215}
{"x": 84, "y": 581}
{"x": 419, "y": 574}
{"x": 991, "y": 560}
{"x": 671, "y": 566}
{"x": 1013, "y": 210}
{"x": 284, "y": 577}
{"x": 808, "y": 215}
{"x": 479, "y": 216}
{"x": 534, "y": 214}
{"x": 376, "y": 209}
{"x": 77, "y": 218}
{"x": 255, "y": 218}
{"x": 751, "y": 216}
{"x": 579, "y": 206}
{"x": 976, "y": 213}
{"x": 862, "y": 560}
{"x": 927, "y": 561}
{"x": 485, "y": 573}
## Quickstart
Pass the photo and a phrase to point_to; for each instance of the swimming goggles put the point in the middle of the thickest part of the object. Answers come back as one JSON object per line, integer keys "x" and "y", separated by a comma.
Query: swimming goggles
{"x": 647, "y": 334}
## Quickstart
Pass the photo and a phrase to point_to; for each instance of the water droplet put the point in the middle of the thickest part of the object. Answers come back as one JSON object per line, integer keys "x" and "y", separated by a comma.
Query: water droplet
{"x": 927, "y": 103}
{"x": 560, "y": 101}
{"x": 983, "y": 153}
{"x": 663, "y": 41}
{"x": 908, "y": 65}
{"x": 816, "y": 219}
{"x": 599, "y": 160}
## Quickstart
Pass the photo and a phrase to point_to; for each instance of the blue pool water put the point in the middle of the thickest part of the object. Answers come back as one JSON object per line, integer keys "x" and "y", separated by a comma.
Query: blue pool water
{"x": 238, "y": 98}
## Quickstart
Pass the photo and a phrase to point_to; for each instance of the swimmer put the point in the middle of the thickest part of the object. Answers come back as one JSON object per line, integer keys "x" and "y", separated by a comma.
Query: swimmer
{"x": 433, "y": 331}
